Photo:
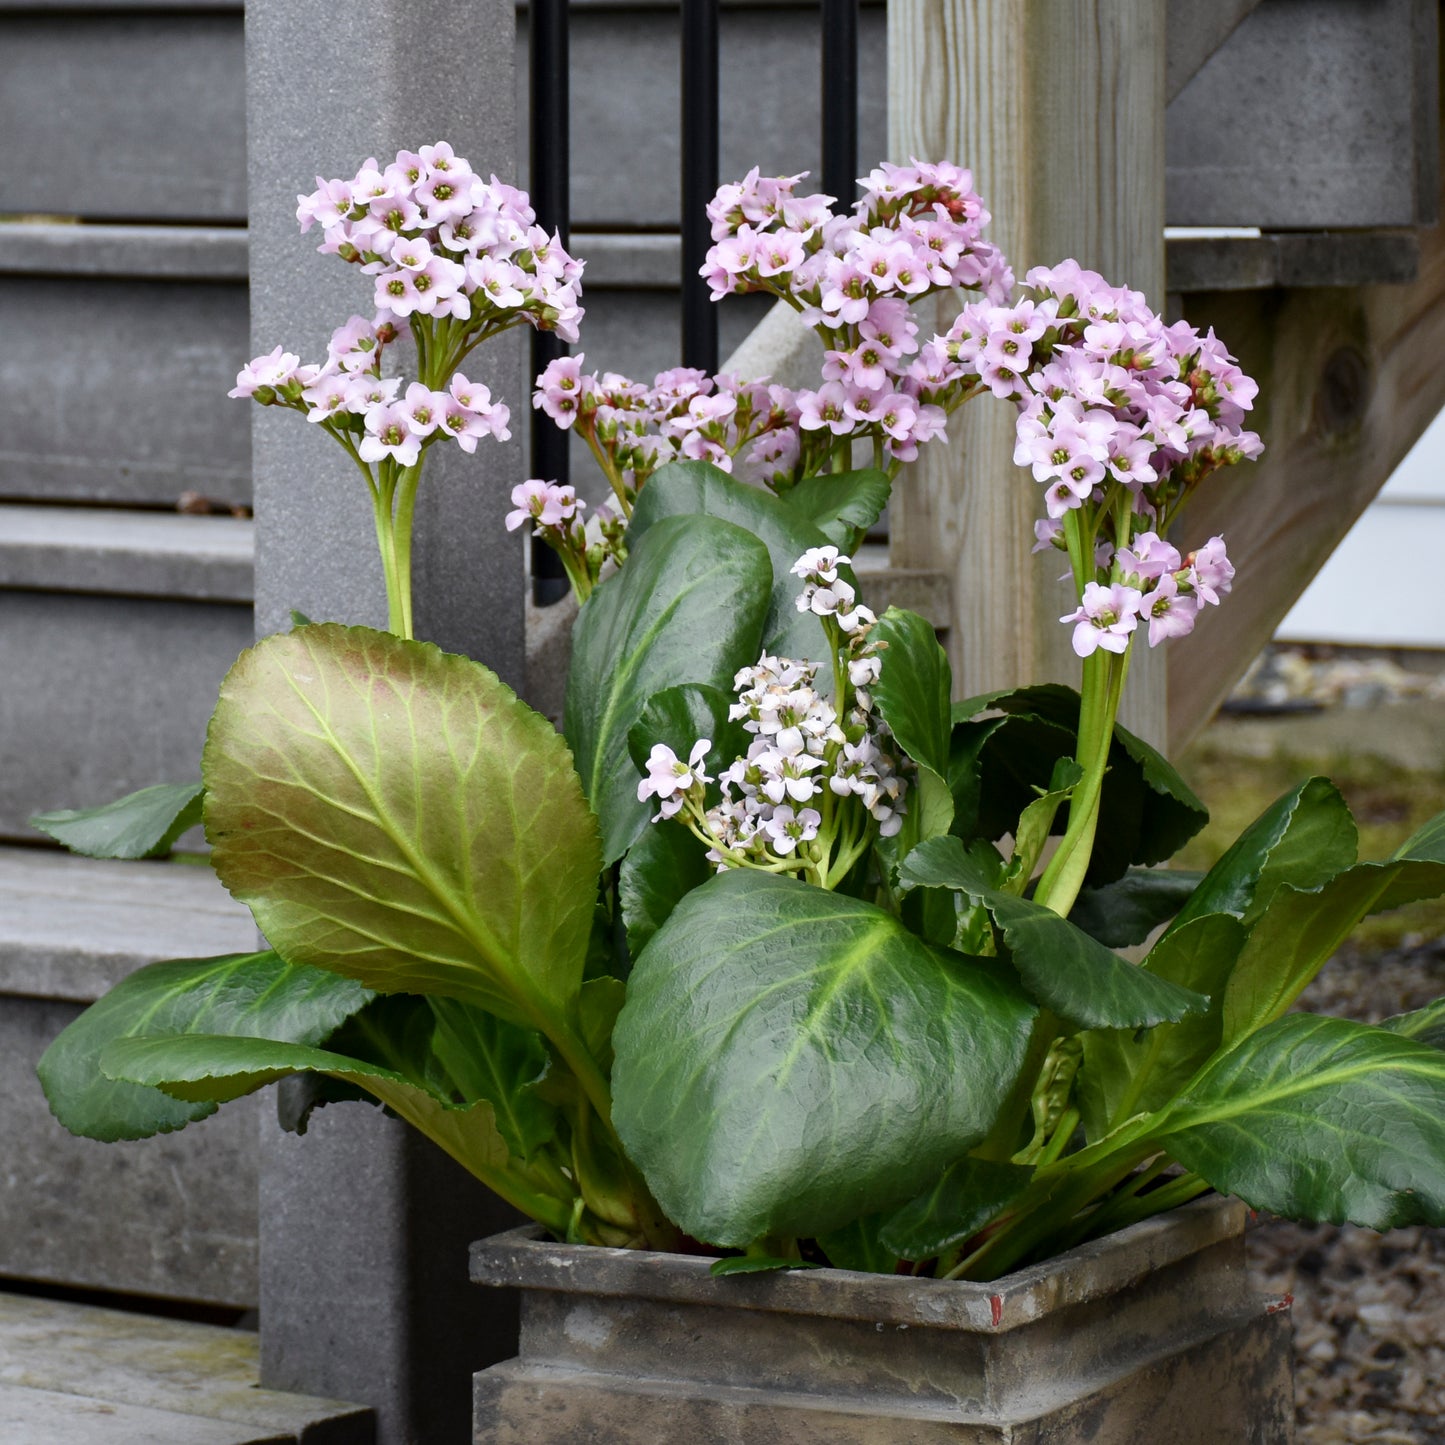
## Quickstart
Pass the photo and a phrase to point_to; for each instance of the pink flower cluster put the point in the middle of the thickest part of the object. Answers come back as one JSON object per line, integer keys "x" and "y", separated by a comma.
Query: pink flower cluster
{"x": 442, "y": 242}
{"x": 1110, "y": 397}
{"x": 745, "y": 427}
{"x": 348, "y": 394}
{"x": 1106, "y": 391}
{"x": 1157, "y": 586}
{"x": 854, "y": 277}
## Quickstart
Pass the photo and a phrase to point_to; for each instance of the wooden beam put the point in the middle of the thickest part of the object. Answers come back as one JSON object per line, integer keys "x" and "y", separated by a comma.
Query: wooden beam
{"x": 1058, "y": 107}
{"x": 1349, "y": 379}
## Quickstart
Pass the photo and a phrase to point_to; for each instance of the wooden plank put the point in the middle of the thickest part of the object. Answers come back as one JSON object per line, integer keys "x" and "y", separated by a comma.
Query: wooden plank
{"x": 1057, "y": 105}
{"x": 46, "y": 1417}
{"x": 1299, "y": 258}
{"x": 1348, "y": 380}
{"x": 202, "y": 1372}
{"x": 71, "y": 927}
{"x": 173, "y": 1216}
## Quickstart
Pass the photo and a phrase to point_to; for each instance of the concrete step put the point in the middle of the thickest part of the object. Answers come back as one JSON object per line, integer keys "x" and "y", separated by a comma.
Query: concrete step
{"x": 174, "y": 1216}
{"x": 126, "y": 554}
{"x": 116, "y": 629}
{"x": 79, "y": 1375}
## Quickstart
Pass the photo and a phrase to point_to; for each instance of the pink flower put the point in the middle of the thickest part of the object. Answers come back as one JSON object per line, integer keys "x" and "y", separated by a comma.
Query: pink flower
{"x": 544, "y": 503}
{"x": 274, "y": 369}
{"x": 1149, "y": 557}
{"x": 1105, "y": 618}
{"x": 423, "y": 408}
{"x": 562, "y": 388}
{"x": 328, "y": 204}
{"x": 389, "y": 434}
{"x": 326, "y": 395}
{"x": 825, "y": 408}
{"x": 1210, "y": 571}
{"x": 1171, "y": 613}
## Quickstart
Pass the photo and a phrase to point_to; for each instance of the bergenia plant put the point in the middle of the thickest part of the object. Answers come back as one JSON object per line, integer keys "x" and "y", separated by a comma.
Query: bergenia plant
{"x": 767, "y": 953}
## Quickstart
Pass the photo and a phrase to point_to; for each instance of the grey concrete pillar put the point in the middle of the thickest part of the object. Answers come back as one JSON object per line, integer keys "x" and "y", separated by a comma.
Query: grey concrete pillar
{"x": 364, "y": 1291}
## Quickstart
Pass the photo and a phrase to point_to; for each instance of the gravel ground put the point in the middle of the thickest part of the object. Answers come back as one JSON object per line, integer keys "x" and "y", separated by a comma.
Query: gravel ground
{"x": 1369, "y": 1309}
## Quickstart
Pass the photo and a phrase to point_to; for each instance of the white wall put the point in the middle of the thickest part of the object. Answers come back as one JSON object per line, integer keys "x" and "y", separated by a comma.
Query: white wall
{"x": 1385, "y": 583}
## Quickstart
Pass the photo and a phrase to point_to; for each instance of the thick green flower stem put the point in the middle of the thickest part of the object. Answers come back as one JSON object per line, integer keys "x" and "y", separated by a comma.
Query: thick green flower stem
{"x": 614, "y": 477}
{"x": 406, "y": 489}
{"x": 1104, "y": 677}
{"x": 381, "y": 507}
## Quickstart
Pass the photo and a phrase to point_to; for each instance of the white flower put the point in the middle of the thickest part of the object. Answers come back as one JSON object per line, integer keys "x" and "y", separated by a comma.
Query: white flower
{"x": 669, "y": 779}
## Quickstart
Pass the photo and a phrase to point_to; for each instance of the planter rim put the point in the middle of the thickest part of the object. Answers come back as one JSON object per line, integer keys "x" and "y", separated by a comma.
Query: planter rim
{"x": 525, "y": 1258}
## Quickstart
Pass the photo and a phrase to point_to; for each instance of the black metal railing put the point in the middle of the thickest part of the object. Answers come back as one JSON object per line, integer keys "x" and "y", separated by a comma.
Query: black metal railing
{"x": 699, "y": 129}
{"x": 550, "y": 181}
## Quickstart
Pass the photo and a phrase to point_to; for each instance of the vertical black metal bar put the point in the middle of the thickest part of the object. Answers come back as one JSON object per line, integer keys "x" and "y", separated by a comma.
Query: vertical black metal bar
{"x": 840, "y": 99}
{"x": 699, "y": 176}
{"x": 550, "y": 182}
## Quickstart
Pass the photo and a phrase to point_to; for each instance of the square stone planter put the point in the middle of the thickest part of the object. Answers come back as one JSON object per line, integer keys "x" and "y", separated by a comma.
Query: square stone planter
{"x": 1152, "y": 1334}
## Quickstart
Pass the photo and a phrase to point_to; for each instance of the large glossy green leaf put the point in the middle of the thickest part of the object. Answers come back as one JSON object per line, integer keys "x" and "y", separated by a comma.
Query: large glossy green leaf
{"x": 1426, "y": 842}
{"x": 139, "y": 825}
{"x": 681, "y": 716}
{"x": 688, "y": 607}
{"x": 841, "y": 505}
{"x": 1126, "y": 911}
{"x": 1200, "y": 956}
{"x": 394, "y": 813}
{"x": 241, "y": 993}
{"x": 213, "y": 1069}
{"x": 1299, "y": 932}
{"x": 1427, "y": 1024}
{"x": 1061, "y": 966}
{"x": 968, "y": 1194}
{"x": 857, "y": 1246}
{"x": 1036, "y": 822}
{"x": 789, "y": 1060}
{"x": 999, "y": 766}
{"x": 1321, "y": 1119}
{"x": 485, "y": 1057}
{"x": 665, "y": 864}
{"x": 689, "y": 488}
{"x": 1304, "y": 839}
{"x": 912, "y": 696}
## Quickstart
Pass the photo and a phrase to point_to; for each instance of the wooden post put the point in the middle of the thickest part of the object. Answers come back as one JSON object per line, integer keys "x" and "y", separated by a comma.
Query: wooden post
{"x": 1058, "y": 108}
{"x": 1349, "y": 379}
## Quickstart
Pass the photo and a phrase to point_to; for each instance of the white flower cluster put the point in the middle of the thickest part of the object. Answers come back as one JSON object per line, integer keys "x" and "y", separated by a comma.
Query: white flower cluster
{"x": 825, "y": 593}
{"x": 801, "y": 746}
{"x": 776, "y": 797}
